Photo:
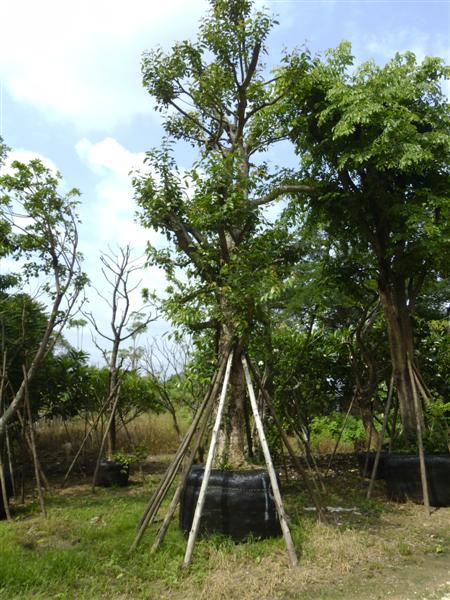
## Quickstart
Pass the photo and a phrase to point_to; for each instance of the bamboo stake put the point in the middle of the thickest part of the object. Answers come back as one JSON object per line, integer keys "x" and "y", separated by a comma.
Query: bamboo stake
{"x": 27, "y": 438}
{"x": 165, "y": 489}
{"x": 421, "y": 384}
{"x": 86, "y": 436}
{"x": 423, "y": 470}
{"x": 309, "y": 456}
{"x": 394, "y": 425}
{"x": 169, "y": 475}
{"x": 272, "y": 475}
{"x": 366, "y": 459}
{"x": 421, "y": 387}
{"x": 33, "y": 445}
{"x": 296, "y": 461}
{"x": 4, "y": 494}
{"x": 105, "y": 435}
{"x": 347, "y": 414}
{"x": 176, "y": 497}
{"x": 10, "y": 462}
{"x": 207, "y": 472}
{"x": 381, "y": 437}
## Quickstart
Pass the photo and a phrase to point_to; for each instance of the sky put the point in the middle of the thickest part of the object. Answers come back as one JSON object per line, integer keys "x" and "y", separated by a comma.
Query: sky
{"x": 71, "y": 93}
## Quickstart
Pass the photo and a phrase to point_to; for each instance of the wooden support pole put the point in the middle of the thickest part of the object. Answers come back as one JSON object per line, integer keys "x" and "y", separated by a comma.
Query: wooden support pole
{"x": 309, "y": 456}
{"x": 10, "y": 462}
{"x": 86, "y": 437}
{"x": 4, "y": 494}
{"x": 394, "y": 425}
{"x": 298, "y": 465}
{"x": 421, "y": 387}
{"x": 381, "y": 436}
{"x": 164, "y": 490}
{"x": 105, "y": 436}
{"x": 208, "y": 466}
{"x": 272, "y": 475}
{"x": 423, "y": 469}
{"x": 33, "y": 445}
{"x": 369, "y": 442}
{"x": 171, "y": 472}
{"x": 27, "y": 439}
{"x": 421, "y": 384}
{"x": 185, "y": 474}
{"x": 347, "y": 414}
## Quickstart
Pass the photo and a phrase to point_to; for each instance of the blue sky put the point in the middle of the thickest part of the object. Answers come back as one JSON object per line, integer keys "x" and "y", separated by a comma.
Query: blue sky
{"x": 71, "y": 90}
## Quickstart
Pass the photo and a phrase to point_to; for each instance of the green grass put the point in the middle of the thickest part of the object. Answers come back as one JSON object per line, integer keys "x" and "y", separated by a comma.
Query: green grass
{"x": 81, "y": 550}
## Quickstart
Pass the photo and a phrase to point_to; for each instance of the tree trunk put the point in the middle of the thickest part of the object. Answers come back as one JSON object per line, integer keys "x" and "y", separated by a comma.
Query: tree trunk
{"x": 231, "y": 449}
{"x": 392, "y": 292}
{"x": 112, "y": 385}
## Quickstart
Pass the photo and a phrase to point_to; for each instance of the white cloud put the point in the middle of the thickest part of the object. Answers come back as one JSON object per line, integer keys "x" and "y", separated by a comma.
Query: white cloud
{"x": 110, "y": 217}
{"x": 421, "y": 44}
{"x": 80, "y": 61}
{"x": 25, "y": 156}
{"x": 112, "y": 211}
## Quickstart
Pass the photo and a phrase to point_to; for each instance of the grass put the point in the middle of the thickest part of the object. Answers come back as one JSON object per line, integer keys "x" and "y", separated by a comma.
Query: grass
{"x": 153, "y": 431}
{"x": 81, "y": 550}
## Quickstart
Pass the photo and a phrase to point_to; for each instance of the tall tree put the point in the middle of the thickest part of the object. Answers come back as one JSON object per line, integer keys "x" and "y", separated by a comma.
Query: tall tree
{"x": 376, "y": 140}
{"x": 43, "y": 237}
{"x": 217, "y": 96}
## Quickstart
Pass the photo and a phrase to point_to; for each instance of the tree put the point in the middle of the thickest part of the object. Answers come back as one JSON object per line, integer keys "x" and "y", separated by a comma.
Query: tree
{"x": 375, "y": 143}
{"x": 217, "y": 96}
{"x": 125, "y": 324}
{"x": 43, "y": 238}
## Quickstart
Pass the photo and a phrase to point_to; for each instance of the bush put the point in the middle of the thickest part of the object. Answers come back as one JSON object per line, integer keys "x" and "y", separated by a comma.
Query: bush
{"x": 329, "y": 427}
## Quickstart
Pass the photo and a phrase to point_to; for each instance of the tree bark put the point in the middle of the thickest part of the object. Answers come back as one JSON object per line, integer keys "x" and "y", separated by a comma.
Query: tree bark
{"x": 393, "y": 297}
{"x": 232, "y": 447}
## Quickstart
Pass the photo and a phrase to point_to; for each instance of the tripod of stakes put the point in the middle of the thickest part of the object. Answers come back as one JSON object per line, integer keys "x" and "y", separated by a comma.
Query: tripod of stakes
{"x": 188, "y": 449}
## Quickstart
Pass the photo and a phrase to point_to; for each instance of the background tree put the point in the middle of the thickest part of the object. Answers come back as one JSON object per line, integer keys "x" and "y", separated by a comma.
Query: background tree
{"x": 118, "y": 271}
{"x": 43, "y": 238}
{"x": 375, "y": 140}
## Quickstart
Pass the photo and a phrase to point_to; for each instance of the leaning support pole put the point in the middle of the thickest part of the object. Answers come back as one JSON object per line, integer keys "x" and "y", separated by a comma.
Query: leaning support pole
{"x": 185, "y": 474}
{"x": 3, "y": 492}
{"x": 423, "y": 470}
{"x": 272, "y": 475}
{"x": 10, "y": 462}
{"x": 338, "y": 441}
{"x": 381, "y": 437}
{"x": 298, "y": 465}
{"x": 33, "y": 444}
{"x": 27, "y": 439}
{"x": 94, "y": 426}
{"x": 169, "y": 475}
{"x": 209, "y": 461}
{"x": 105, "y": 435}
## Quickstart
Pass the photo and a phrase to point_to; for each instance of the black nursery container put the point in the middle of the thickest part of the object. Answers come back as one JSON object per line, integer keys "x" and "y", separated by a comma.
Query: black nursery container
{"x": 361, "y": 457}
{"x": 238, "y": 504}
{"x": 9, "y": 493}
{"x": 112, "y": 473}
{"x": 403, "y": 481}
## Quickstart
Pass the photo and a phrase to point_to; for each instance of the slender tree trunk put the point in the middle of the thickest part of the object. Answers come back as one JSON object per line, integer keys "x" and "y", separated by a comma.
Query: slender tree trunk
{"x": 112, "y": 385}
{"x": 401, "y": 342}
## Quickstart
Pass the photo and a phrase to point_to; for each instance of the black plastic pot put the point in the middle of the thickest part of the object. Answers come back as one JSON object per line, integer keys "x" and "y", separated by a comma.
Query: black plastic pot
{"x": 238, "y": 504}
{"x": 9, "y": 493}
{"x": 112, "y": 473}
{"x": 361, "y": 457}
{"x": 403, "y": 482}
